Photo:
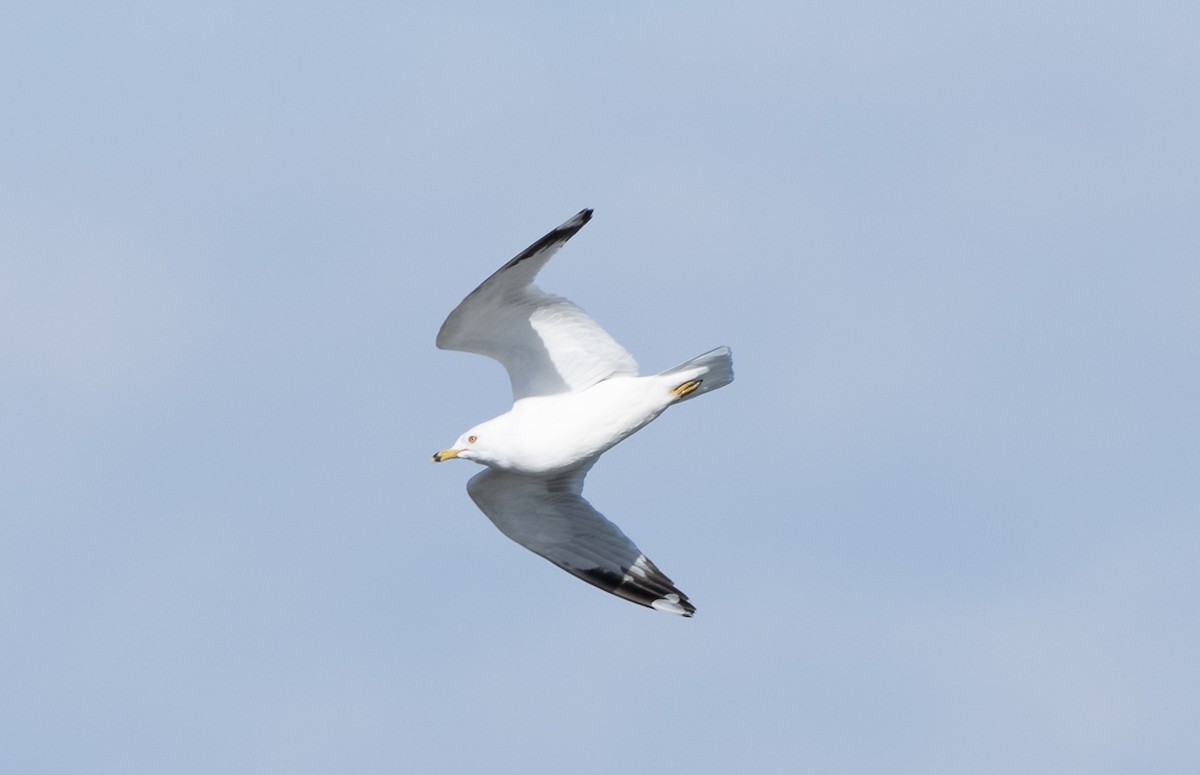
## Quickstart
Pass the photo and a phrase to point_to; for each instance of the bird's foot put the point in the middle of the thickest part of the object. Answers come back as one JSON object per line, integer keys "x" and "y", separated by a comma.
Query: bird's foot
{"x": 682, "y": 391}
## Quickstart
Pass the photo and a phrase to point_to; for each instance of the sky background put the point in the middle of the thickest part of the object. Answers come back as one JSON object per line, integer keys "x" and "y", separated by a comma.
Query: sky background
{"x": 945, "y": 520}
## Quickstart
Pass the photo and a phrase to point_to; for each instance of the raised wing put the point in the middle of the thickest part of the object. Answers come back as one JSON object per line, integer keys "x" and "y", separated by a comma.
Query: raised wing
{"x": 549, "y": 516}
{"x": 547, "y": 344}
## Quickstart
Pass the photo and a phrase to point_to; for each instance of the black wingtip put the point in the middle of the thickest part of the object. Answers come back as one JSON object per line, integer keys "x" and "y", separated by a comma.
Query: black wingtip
{"x": 573, "y": 224}
{"x": 643, "y": 583}
{"x": 556, "y": 236}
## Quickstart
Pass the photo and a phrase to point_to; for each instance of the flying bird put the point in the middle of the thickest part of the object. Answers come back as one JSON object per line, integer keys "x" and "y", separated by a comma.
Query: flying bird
{"x": 576, "y": 394}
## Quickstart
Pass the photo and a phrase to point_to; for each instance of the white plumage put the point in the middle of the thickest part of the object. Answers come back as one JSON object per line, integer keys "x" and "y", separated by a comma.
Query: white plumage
{"x": 576, "y": 393}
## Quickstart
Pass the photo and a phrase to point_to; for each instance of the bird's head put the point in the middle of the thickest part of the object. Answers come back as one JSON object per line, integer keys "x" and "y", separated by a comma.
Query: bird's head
{"x": 476, "y": 444}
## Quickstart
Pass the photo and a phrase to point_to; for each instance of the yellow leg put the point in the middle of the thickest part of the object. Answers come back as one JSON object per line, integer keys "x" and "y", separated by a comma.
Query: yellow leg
{"x": 680, "y": 391}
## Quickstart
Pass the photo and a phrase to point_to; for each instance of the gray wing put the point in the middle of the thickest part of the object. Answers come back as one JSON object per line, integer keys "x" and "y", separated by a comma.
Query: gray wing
{"x": 550, "y": 517}
{"x": 546, "y": 343}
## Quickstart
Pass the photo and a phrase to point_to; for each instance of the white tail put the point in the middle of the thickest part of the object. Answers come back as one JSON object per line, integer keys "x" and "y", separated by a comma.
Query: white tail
{"x": 714, "y": 369}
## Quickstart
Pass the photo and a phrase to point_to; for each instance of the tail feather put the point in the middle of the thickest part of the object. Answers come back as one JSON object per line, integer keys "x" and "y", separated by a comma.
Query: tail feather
{"x": 714, "y": 369}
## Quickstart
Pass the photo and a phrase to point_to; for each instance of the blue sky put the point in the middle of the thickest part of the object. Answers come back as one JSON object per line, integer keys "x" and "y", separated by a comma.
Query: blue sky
{"x": 945, "y": 521}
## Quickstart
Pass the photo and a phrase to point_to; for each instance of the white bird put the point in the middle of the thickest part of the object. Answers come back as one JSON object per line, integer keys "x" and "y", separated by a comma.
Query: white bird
{"x": 576, "y": 393}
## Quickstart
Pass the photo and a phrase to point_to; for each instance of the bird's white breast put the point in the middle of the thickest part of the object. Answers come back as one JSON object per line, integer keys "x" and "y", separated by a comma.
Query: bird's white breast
{"x": 560, "y": 431}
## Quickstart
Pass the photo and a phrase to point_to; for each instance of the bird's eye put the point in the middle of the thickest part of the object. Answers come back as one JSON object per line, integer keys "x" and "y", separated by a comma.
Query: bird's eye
{"x": 472, "y": 439}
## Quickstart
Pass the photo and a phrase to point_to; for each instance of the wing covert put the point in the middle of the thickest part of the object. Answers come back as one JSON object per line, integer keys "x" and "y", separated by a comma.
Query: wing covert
{"x": 546, "y": 343}
{"x": 550, "y": 517}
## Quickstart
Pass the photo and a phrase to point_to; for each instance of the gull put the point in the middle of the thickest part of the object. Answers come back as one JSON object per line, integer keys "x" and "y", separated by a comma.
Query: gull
{"x": 576, "y": 394}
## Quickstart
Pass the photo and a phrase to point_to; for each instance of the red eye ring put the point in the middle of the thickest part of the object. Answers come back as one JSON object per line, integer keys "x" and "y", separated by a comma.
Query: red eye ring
{"x": 472, "y": 439}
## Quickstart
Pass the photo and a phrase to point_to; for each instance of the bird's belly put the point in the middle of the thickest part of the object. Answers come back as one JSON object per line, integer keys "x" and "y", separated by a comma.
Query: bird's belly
{"x": 562, "y": 431}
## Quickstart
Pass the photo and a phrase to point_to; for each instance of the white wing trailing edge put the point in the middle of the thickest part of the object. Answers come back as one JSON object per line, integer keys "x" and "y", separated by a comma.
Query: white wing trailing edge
{"x": 547, "y": 344}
